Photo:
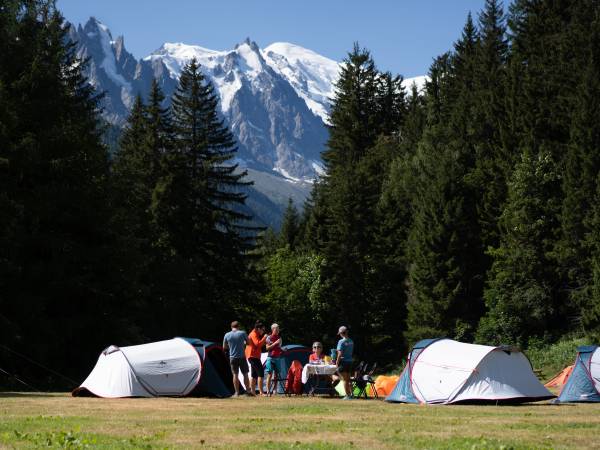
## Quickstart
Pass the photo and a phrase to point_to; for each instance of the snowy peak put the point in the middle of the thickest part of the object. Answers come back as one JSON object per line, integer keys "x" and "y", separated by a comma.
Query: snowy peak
{"x": 419, "y": 82}
{"x": 311, "y": 75}
{"x": 227, "y": 70}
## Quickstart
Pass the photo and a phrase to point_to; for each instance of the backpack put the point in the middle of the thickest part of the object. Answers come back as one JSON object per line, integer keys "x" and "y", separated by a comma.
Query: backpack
{"x": 293, "y": 384}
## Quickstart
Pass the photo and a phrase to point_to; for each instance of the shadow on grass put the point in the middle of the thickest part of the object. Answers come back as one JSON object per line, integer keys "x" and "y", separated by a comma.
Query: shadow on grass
{"x": 28, "y": 394}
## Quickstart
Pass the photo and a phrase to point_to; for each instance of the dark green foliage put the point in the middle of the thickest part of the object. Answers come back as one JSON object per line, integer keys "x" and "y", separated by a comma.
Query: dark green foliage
{"x": 58, "y": 254}
{"x": 294, "y": 295}
{"x": 520, "y": 295}
{"x": 469, "y": 210}
{"x": 540, "y": 266}
{"x": 445, "y": 254}
{"x": 578, "y": 249}
{"x": 368, "y": 104}
{"x": 202, "y": 236}
{"x": 290, "y": 227}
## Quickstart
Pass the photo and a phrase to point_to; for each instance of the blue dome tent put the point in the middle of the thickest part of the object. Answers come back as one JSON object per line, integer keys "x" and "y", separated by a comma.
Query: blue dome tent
{"x": 583, "y": 384}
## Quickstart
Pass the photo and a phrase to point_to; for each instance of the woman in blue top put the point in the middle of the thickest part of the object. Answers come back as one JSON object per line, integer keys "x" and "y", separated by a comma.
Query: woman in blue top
{"x": 345, "y": 347}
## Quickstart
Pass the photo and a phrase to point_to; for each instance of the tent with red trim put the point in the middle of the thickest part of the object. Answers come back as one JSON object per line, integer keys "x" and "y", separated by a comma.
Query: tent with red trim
{"x": 445, "y": 371}
{"x": 176, "y": 367}
{"x": 583, "y": 384}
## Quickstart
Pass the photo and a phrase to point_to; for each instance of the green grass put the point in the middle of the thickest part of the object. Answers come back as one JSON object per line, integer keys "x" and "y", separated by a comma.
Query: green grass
{"x": 60, "y": 421}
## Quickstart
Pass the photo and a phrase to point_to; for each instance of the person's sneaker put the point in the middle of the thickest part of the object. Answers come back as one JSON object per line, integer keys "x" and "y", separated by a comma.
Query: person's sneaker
{"x": 236, "y": 395}
{"x": 250, "y": 394}
{"x": 348, "y": 397}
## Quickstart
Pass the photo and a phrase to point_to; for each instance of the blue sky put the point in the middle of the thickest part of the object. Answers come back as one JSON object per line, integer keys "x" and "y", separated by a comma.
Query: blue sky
{"x": 403, "y": 35}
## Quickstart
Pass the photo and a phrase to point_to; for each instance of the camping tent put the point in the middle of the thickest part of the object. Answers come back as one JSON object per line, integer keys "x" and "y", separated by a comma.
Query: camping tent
{"x": 584, "y": 383}
{"x": 175, "y": 367}
{"x": 560, "y": 379}
{"x": 447, "y": 371}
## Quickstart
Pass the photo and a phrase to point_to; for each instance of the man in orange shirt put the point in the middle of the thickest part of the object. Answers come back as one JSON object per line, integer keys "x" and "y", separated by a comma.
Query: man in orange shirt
{"x": 256, "y": 340}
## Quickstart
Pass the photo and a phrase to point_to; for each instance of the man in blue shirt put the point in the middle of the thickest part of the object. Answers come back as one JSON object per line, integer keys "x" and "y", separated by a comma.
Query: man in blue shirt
{"x": 235, "y": 341}
{"x": 345, "y": 347}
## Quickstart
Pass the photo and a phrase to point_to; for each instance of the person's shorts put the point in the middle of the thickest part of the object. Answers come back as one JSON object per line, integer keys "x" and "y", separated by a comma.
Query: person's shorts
{"x": 345, "y": 367}
{"x": 238, "y": 365}
{"x": 256, "y": 368}
{"x": 271, "y": 365}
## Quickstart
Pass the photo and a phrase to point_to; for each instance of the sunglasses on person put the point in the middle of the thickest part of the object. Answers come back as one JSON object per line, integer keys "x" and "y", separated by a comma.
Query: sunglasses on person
{"x": 316, "y": 346}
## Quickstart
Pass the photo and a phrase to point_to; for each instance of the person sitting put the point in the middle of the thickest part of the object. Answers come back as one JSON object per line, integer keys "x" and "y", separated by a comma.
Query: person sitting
{"x": 322, "y": 383}
{"x": 317, "y": 356}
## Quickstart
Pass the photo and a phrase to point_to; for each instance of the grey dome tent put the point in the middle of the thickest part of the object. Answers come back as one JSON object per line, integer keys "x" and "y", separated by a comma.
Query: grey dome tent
{"x": 176, "y": 367}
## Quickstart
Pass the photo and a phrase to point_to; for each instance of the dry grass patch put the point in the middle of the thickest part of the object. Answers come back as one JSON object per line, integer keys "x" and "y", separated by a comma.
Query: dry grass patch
{"x": 60, "y": 421}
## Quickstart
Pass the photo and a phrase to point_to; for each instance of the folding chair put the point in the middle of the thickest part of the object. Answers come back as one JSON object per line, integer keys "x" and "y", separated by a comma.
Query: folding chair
{"x": 363, "y": 378}
{"x": 356, "y": 380}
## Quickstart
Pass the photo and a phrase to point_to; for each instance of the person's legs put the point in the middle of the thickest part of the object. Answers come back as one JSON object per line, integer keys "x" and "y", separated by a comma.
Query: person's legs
{"x": 243, "y": 364}
{"x": 345, "y": 369}
{"x": 235, "y": 367}
{"x": 253, "y": 374}
{"x": 347, "y": 388}
{"x": 260, "y": 373}
{"x": 260, "y": 386}
{"x": 269, "y": 374}
{"x": 236, "y": 385}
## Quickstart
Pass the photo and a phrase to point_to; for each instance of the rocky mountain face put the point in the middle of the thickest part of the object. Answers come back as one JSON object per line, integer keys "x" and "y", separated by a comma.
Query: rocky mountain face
{"x": 276, "y": 101}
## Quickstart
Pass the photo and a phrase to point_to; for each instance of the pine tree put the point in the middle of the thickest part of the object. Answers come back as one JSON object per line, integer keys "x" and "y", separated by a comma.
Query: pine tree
{"x": 578, "y": 250}
{"x": 61, "y": 257}
{"x": 197, "y": 207}
{"x": 367, "y": 106}
{"x": 520, "y": 299}
{"x": 494, "y": 146}
{"x": 354, "y": 115}
{"x": 445, "y": 271}
{"x": 525, "y": 297}
{"x": 290, "y": 227}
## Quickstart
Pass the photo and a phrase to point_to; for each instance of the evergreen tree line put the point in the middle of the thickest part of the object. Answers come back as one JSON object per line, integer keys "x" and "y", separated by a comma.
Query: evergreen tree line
{"x": 469, "y": 210}
{"x": 153, "y": 244}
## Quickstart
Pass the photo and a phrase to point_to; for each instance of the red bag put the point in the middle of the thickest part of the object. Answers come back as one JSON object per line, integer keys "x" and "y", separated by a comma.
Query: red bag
{"x": 293, "y": 385}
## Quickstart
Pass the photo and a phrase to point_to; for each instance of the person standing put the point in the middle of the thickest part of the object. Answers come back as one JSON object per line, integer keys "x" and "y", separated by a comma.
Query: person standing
{"x": 256, "y": 340}
{"x": 235, "y": 341}
{"x": 345, "y": 347}
{"x": 274, "y": 348}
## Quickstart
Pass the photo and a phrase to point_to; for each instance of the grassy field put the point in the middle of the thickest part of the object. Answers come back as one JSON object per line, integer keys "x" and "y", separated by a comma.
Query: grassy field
{"x": 60, "y": 421}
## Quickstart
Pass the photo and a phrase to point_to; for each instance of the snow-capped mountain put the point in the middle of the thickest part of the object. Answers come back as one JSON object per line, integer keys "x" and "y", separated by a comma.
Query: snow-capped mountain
{"x": 274, "y": 126}
{"x": 311, "y": 75}
{"x": 276, "y": 101}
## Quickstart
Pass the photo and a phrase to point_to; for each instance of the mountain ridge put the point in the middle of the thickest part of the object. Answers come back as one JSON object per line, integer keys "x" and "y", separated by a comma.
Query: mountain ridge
{"x": 276, "y": 100}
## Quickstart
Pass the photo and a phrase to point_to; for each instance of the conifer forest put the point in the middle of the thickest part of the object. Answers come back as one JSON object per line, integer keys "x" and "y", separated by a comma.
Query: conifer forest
{"x": 468, "y": 209}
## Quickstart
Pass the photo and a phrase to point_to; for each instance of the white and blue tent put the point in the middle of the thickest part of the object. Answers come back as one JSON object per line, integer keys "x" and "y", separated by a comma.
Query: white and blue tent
{"x": 583, "y": 384}
{"x": 444, "y": 371}
{"x": 176, "y": 367}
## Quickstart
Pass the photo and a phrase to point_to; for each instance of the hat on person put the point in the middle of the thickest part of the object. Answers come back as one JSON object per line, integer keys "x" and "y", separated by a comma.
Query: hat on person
{"x": 343, "y": 329}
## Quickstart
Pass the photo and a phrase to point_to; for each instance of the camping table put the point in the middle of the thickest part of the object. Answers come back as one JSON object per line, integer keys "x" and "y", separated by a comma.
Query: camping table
{"x": 317, "y": 370}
